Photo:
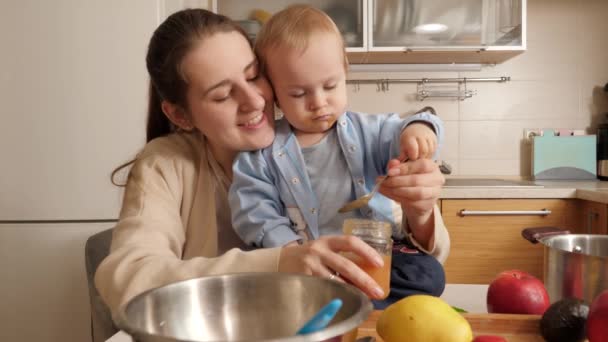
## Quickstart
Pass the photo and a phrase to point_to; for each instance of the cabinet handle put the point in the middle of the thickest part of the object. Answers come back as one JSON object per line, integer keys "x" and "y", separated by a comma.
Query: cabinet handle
{"x": 591, "y": 217}
{"x": 543, "y": 212}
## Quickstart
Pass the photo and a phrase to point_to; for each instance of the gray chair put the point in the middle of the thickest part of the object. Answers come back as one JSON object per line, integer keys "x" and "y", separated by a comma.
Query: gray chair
{"x": 95, "y": 250}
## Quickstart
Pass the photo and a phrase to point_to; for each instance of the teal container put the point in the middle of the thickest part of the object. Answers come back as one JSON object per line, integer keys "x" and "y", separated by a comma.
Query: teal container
{"x": 564, "y": 157}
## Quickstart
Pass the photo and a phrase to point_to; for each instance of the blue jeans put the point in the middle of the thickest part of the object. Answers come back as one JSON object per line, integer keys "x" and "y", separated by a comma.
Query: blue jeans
{"x": 412, "y": 272}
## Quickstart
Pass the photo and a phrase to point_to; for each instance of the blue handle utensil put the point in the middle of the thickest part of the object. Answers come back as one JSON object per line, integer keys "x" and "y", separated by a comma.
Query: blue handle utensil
{"x": 322, "y": 318}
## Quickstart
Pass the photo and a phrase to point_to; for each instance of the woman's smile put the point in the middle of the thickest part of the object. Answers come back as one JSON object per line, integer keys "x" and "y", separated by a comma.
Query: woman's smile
{"x": 255, "y": 122}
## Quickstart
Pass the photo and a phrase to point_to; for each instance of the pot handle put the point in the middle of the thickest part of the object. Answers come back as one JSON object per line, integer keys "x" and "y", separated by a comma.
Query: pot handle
{"x": 534, "y": 235}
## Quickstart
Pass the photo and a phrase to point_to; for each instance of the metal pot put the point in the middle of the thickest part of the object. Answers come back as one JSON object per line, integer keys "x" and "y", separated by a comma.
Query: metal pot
{"x": 575, "y": 265}
{"x": 242, "y": 307}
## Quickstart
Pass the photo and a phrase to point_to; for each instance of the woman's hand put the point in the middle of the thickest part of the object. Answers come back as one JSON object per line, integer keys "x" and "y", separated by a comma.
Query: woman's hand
{"x": 416, "y": 185}
{"x": 322, "y": 258}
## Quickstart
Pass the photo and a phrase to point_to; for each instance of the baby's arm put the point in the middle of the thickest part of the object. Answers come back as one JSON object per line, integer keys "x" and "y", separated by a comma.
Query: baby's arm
{"x": 421, "y": 137}
{"x": 258, "y": 215}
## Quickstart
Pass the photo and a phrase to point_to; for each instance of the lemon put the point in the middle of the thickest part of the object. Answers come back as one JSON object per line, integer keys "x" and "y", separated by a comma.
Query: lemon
{"x": 423, "y": 318}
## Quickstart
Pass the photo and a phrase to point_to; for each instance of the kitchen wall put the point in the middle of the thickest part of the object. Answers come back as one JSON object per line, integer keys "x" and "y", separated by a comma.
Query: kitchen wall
{"x": 556, "y": 83}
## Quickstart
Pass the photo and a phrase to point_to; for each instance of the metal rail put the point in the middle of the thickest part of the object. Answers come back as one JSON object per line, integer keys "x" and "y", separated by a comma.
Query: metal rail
{"x": 543, "y": 212}
{"x": 428, "y": 80}
{"x": 460, "y": 92}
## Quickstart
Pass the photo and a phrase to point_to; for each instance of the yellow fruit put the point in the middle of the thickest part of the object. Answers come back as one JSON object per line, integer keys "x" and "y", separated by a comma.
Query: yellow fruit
{"x": 423, "y": 318}
{"x": 260, "y": 15}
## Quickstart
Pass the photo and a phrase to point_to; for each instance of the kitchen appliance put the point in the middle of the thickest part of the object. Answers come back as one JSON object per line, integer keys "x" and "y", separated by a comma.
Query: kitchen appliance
{"x": 575, "y": 265}
{"x": 243, "y": 307}
{"x": 602, "y": 146}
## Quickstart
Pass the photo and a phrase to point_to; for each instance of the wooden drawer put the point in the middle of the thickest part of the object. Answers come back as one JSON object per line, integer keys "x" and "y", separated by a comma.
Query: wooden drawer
{"x": 484, "y": 245}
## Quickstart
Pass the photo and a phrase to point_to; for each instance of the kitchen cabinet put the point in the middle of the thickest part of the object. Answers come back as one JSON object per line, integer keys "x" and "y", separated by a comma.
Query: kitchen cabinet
{"x": 588, "y": 217}
{"x": 350, "y": 16}
{"x": 486, "y": 236}
{"x": 412, "y": 31}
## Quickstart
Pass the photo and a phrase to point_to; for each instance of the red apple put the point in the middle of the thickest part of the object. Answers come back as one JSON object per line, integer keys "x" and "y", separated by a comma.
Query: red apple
{"x": 597, "y": 320}
{"x": 517, "y": 292}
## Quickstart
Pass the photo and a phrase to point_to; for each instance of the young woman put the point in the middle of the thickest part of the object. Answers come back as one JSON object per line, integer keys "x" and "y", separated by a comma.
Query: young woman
{"x": 208, "y": 101}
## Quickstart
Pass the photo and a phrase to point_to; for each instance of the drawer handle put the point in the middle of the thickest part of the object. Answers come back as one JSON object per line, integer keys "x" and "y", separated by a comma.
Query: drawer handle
{"x": 543, "y": 212}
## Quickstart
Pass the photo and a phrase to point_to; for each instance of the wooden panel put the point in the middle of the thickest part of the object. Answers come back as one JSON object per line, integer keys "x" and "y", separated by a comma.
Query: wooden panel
{"x": 483, "y": 246}
{"x": 515, "y": 328}
{"x": 589, "y": 218}
{"x": 430, "y": 57}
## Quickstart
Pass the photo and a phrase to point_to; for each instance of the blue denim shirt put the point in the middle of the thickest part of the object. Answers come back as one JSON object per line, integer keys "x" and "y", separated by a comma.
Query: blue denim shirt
{"x": 271, "y": 197}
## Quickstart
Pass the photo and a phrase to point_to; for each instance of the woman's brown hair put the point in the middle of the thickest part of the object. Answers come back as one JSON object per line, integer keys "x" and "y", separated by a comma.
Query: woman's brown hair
{"x": 170, "y": 43}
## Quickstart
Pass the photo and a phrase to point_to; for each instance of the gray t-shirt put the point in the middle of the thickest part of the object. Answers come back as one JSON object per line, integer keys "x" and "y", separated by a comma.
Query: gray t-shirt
{"x": 331, "y": 182}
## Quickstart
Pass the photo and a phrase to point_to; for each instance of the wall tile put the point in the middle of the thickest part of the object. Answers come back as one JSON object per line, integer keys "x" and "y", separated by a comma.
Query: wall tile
{"x": 521, "y": 100}
{"x": 489, "y": 167}
{"x": 489, "y": 139}
{"x": 400, "y": 97}
{"x": 449, "y": 150}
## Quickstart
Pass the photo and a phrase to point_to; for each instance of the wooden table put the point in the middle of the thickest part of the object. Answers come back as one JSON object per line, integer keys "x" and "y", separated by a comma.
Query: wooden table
{"x": 515, "y": 328}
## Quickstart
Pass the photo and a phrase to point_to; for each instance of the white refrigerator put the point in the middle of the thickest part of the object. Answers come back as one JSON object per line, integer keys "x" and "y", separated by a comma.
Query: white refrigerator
{"x": 73, "y": 91}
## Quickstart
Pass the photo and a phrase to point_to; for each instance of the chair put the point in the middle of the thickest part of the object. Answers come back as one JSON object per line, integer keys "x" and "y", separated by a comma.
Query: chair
{"x": 95, "y": 250}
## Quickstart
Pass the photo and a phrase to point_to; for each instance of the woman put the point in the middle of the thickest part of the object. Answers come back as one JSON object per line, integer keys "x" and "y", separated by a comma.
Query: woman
{"x": 207, "y": 103}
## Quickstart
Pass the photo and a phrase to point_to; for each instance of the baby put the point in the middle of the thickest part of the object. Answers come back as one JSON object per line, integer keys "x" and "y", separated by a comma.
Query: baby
{"x": 323, "y": 156}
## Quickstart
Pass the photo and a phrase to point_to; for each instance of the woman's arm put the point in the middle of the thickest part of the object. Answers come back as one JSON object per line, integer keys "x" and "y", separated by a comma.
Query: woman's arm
{"x": 149, "y": 241}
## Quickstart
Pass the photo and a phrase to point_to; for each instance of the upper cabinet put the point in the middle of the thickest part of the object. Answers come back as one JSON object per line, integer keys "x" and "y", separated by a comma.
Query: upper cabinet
{"x": 349, "y": 15}
{"x": 409, "y": 31}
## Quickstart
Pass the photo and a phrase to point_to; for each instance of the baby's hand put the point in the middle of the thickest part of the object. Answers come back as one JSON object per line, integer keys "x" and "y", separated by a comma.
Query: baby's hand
{"x": 418, "y": 141}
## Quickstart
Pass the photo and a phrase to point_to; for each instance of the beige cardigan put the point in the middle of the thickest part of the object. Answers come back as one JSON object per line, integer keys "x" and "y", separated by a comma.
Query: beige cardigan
{"x": 167, "y": 230}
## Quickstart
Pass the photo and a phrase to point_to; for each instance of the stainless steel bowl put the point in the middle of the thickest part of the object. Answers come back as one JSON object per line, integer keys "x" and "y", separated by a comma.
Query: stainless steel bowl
{"x": 242, "y": 307}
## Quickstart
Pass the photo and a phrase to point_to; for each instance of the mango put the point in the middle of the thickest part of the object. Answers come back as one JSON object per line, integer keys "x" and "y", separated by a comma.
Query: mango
{"x": 423, "y": 318}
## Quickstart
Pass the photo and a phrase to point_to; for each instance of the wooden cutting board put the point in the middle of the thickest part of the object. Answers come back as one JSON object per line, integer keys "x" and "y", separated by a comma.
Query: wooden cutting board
{"x": 515, "y": 328}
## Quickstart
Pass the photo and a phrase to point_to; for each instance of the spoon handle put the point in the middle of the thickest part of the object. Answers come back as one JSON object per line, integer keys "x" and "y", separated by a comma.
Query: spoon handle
{"x": 377, "y": 186}
{"x": 383, "y": 178}
{"x": 322, "y": 318}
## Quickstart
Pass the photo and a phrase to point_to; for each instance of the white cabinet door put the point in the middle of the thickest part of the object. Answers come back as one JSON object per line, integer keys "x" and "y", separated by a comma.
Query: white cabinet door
{"x": 458, "y": 25}
{"x": 74, "y": 90}
{"x": 43, "y": 282}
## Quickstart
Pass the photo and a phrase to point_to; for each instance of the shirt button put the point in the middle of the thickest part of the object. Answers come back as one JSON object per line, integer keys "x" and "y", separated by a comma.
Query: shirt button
{"x": 280, "y": 154}
{"x": 343, "y": 123}
{"x": 313, "y": 210}
{"x": 352, "y": 148}
{"x": 360, "y": 181}
{"x": 295, "y": 180}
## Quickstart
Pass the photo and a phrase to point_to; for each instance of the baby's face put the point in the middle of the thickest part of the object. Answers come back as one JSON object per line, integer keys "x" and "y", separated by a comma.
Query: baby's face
{"x": 310, "y": 86}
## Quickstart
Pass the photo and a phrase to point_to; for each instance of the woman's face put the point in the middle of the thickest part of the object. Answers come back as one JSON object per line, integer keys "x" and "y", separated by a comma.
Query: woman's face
{"x": 229, "y": 101}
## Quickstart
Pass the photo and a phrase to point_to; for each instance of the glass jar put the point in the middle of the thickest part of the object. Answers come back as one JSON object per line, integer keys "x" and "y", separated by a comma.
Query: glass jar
{"x": 377, "y": 234}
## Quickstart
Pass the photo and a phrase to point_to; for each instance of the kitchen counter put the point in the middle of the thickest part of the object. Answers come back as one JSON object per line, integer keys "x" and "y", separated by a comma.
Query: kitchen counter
{"x": 596, "y": 191}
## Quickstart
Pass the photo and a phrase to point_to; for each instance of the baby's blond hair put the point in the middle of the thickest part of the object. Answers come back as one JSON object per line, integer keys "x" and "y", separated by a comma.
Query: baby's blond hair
{"x": 292, "y": 28}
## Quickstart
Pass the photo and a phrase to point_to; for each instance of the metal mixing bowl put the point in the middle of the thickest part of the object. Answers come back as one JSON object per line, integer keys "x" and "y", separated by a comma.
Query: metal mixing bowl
{"x": 242, "y": 307}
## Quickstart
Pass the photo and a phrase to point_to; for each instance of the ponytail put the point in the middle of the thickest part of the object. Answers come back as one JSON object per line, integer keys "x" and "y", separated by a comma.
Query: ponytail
{"x": 158, "y": 124}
